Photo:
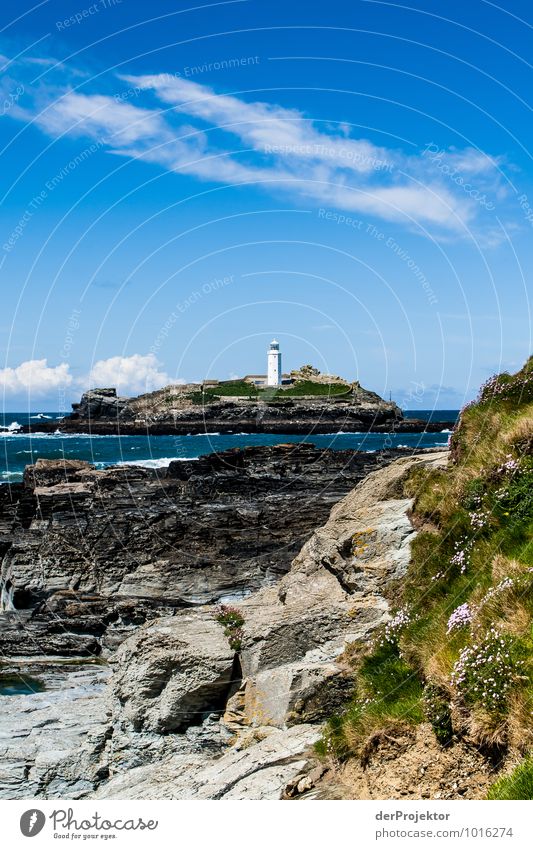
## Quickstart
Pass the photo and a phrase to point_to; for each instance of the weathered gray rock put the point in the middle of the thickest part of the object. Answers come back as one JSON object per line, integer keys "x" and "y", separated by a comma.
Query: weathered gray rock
{"x": 260, "y": 771}
{"x": 51, "y": 741}
{"x": 331, "y": 597}
{"x": 293, "y": 634}
{"x": 172, "y": 671}
{"x": 185, "y": 718}
{"x": 92, "y": 554}
{"x": 103, "y": 404}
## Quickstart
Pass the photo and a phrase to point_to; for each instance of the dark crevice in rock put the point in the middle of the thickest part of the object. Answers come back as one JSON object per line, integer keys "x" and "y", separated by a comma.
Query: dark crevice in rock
{"x": 339, "y": 576}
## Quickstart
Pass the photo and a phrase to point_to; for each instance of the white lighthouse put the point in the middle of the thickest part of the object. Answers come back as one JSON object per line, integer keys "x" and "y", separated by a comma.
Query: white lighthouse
{"x": 274, "y": 364}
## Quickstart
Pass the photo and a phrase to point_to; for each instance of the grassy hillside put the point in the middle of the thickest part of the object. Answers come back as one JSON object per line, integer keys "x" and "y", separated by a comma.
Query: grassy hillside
{"x": 458, "y": 651}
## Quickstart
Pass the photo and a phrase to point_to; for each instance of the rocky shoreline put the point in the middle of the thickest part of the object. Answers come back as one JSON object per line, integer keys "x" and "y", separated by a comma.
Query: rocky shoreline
{"x": 88, "y": 555}
{"x": 128, "y": 565}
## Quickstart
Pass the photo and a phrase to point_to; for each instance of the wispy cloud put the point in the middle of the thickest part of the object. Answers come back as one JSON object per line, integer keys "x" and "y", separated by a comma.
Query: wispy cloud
{"x": 189, "y": 128}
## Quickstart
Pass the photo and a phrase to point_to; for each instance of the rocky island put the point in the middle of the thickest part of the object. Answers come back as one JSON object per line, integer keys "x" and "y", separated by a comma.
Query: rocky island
{"x": 310, "y": 404}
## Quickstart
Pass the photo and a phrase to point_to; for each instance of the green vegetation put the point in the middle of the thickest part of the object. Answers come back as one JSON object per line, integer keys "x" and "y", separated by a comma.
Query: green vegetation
{"x": 308, "y": 387}
{"x": 232, "y": 620}
{"x": 517, "y": 785}
{"x": 458, "y": 651}
{"x": 232, "y": 388}
{"x": 242, "y": 389}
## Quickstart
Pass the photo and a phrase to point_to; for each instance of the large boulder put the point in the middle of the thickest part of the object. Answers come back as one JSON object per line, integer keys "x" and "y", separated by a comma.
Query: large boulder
{"x": 176, "y": 668}
{"x": 172, "y": 672}
{"x": 103, "y": 404}
{"x": 50, "y": 473}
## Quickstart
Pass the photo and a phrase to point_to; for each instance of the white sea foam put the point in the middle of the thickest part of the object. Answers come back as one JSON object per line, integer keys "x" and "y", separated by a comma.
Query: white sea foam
{"x": 57, "y": 434}
{"x": 9, "y": 430}
{"x": 158, "y": 463}
{"x": 346, "y": 433}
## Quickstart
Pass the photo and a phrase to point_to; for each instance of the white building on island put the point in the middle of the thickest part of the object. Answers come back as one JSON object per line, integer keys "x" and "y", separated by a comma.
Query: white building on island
{"x": 274, "y": 364}
{"x": 274, "y": 376}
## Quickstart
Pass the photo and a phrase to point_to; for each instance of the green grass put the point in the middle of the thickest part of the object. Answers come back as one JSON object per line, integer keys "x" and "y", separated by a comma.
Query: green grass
{"x": 482, "y": 510}
{"x": 388, "y": 692}
{"x": 243, "y": 389}
{"x": 308, "y": 387}
{"x": 517, "y": 785}
{"x": 232, "y": 388}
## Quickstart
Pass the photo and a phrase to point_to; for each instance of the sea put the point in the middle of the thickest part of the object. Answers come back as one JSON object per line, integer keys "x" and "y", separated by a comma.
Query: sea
{"x": 18, "y": 450}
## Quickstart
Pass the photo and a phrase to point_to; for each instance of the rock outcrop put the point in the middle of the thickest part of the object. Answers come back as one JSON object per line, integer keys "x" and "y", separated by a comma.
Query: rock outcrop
{"x": 188, "y": 716}
{"x": 167, "y": 676}
{"x": 51, "y": 740}
{"x": 89, "y": 555}
{"x": 103, "y": 404}
{"x": 293, "y": 635}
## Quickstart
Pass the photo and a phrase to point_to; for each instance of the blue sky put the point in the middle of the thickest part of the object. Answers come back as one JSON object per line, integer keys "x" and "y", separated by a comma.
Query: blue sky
{"x": 181, "y": 184}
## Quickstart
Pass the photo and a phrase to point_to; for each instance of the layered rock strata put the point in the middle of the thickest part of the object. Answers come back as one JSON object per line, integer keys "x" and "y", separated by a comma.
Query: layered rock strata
{"x": 102, "y": 412}
{"x": 187, "y": 715}
{"x": 89, "y": 555}
{"x": 288, "y": 677}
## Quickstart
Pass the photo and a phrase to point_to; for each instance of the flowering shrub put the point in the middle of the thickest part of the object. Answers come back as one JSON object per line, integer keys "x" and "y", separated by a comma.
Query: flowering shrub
{"x": 474, "y": 493}
{"x": 233, "y": 620}
{"x": 394, "y": 628}
{"x": 509, "y": 467}
{"x": 461, "y": 558}
{"x": 519, "y": 386}
{"x": 460, "y": 618}
{"x": 505, "y": 584}
{"x": 516, "y": 498}
{"x": 486, "y": 671}
{"x": 480, "y": 520}
{"x": 437, "y": 710}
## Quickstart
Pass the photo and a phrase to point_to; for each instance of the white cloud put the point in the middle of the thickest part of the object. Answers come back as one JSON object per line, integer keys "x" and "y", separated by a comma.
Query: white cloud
{"x": 129, "y": 375}
{"x": 102, "y": 117}
{"x": 35, "y": 377}
{"x": 265, "y": 125}
{"x": 226, "y": 139}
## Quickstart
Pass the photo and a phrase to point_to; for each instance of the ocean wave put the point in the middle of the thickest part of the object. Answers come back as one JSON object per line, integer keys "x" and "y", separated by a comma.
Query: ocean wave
{"x": 158, "y": 463}
{"x": 346, "y": 433}
{"x": 9, "y": 430}
{"x": 446, "y": 431}
{"x": 41, "y": 416}
{"x": 57, "y": 435}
